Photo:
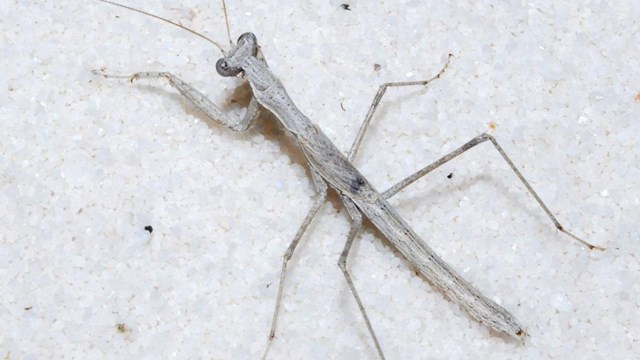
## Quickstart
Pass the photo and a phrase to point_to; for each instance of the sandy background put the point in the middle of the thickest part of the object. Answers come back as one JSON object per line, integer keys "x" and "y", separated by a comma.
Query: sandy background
{"x": 87, "y": 163}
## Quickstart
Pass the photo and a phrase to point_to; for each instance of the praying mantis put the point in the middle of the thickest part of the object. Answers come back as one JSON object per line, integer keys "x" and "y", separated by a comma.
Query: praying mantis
{"x": 331, "y": 168}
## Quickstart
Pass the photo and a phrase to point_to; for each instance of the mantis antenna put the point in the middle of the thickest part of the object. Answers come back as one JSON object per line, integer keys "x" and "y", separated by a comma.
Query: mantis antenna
{"x": 175, "y": 23}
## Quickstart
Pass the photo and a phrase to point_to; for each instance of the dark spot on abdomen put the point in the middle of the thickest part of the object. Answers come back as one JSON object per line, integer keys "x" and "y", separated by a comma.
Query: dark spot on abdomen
{"x": 357, "y": 184}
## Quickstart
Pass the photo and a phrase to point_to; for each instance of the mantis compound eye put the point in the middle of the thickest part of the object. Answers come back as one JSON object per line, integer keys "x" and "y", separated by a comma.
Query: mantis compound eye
{"x": 249, "y": 38}
{"x": 224, "y": 69}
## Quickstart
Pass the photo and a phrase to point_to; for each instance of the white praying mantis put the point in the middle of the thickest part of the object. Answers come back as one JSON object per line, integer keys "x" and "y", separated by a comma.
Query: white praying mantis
{"x": 331, "y": 168}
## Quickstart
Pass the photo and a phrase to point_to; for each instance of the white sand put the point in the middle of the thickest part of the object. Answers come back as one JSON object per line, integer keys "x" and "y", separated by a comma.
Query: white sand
{"x": 87, "y": 163}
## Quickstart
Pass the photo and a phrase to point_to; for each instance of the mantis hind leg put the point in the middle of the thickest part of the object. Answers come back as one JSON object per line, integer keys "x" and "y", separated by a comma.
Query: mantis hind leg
{"x": 356, "y": 223}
